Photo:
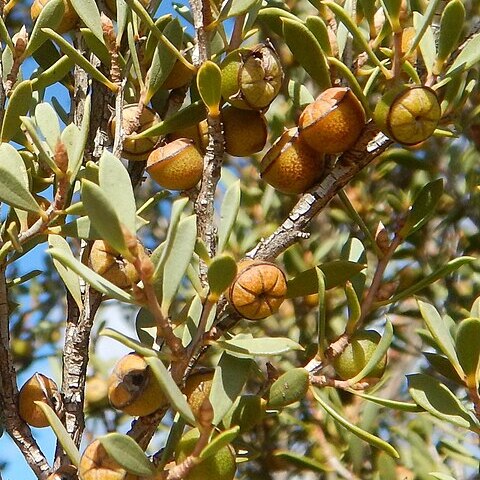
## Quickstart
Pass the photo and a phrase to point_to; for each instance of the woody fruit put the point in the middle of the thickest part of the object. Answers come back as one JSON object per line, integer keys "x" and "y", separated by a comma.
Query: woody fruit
{"x": 408, "y": 114}
{"x": 291, "y": 166}
{"x": 356, "y": 355}
{"x": 177, "y": 165}
{"x": 133, "y": 388}
{"x": 258, "y": 290}
{"x": 251, "y": 77}
{"x": 136, "y": 149}
{"x": 38, "y": 388}
{"x": 333, "y": 122}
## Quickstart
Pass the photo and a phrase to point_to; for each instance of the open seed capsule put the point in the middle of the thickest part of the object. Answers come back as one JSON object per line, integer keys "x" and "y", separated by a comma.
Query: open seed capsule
{"x": 258, "y": 290}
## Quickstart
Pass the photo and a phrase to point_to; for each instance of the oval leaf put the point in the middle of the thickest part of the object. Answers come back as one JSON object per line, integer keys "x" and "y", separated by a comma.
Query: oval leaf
{"x": 229, "y": 378}
{"x": 265, "y": 346}
{"x": 103, "y": 216}
{"x": 467, "y": 346}
{"x": 115, "y": 183}
{"x": 18, "y": 106}
{"x": 220, "y": 441}
{"x": 228, "y": 214}
{"x": 221, "y": 273}
{"x": 307, "y": 51}
{"x": 336, "y": 273}
{"x": 440, "y": 333}
{"x": 13, "y": 187}
{"x": 209, "y": 83}
{"x": 88, "y": 11}
{"x": 438, "y": 400}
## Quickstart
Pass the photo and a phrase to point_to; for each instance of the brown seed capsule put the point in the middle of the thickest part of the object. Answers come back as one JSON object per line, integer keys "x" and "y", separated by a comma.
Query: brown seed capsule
{"x": 108, "y": 263}
{"x": 177, "y": 165}
{"x": 251, "y": 78}
{"x": 245, "y": 131}
{"x": 197, "y": 389}
{"x": 408, "y": 115}
{"x": 258, "y": 289}
{"x": 69, "y": 19}
{"x": 291, "y": 166}
{"x": 96, "y": 464}
{"x": 37, "y": 388}
{"x": 333, "y": 122}
{"x": 133, "y": 388}
{"x": 67, "y": 472}
{"x": 136, "y": 149}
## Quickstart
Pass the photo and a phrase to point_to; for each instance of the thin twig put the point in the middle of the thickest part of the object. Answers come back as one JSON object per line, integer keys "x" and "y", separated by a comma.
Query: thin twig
{"x": 14, "y": 425}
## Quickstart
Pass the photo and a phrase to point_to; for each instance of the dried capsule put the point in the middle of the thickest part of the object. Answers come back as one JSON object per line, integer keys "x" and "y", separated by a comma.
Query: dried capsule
{"x": 38, "y": 388}
{"x": 333, "y": 122}
{"x": 258, "y": 289}
{"x": 96, "y": 464}
{"x": 291, "y": 166}
{"x": 108, "y": 263}
{"x": 251, "y": 78}
{"x": 133, "y": 388}
{"x": 177, "y": 165}
{"x": 69, "y": 19}
{"x": 356, "y": 355}
{"x": 408, "y": 115}
{"x": 245, "y": 131}
{"x": 136, "y": 149}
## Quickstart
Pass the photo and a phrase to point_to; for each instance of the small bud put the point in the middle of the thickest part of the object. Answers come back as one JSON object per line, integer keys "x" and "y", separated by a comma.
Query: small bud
{"x": 20, "y": 41}
{"x": 61, "y": 156}
{"x": 69, "y": 20}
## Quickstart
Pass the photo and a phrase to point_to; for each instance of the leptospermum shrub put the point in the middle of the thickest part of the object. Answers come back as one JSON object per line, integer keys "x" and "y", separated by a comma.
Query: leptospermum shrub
{"x": 307, "y": 310}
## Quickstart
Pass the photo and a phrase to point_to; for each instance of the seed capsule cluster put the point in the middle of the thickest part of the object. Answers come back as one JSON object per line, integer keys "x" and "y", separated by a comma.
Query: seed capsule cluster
{"x": 329, "y": 125}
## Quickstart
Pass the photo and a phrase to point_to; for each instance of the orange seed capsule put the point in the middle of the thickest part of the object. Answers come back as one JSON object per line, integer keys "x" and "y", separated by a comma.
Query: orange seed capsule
{"x": 258, "y": 290}
{"x": 38, "y": 388}
{"x": 133, "y": 388}
{"x": 291, "y": 166}
{"x": 96, "y": 464}
{"x": 333, "y": 122}
{"x": 177, "y": 165}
